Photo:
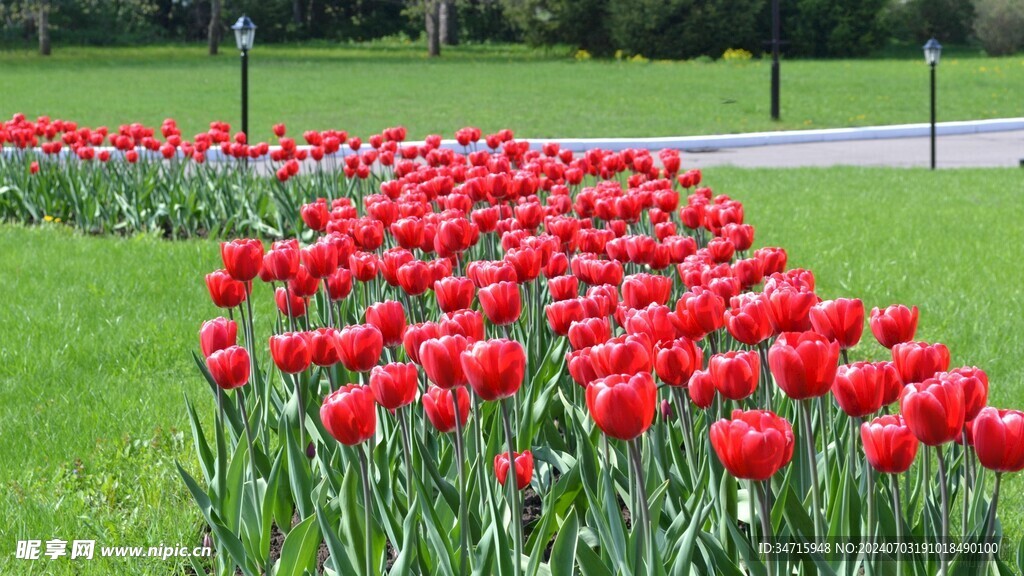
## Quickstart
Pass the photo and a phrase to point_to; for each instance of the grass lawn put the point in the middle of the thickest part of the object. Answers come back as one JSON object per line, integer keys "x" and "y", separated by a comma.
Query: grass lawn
{"x": 95, "y": 337}
{"x": 537, "y": 94}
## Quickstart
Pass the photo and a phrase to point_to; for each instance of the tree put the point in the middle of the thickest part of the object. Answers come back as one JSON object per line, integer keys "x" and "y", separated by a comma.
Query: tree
{"x": 432, "y": 17}
{"x": 213, "y": 33}
{"x": 43, "y": 21}
{"x": 449, "y": 32}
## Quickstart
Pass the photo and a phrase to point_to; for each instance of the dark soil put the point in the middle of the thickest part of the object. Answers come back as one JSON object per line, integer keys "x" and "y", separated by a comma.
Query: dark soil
{"x": 277, "y": 544}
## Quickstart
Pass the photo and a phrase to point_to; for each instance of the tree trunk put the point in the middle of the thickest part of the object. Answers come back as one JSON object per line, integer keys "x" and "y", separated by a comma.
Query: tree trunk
{"x": 44, "y": 27}
{"x": 433, "y": 27}
{"x": 442, "y": 21}
{"x": 297, "y": 11}
{"x": 449, "y": 23}
{"x": 213, "y": 32}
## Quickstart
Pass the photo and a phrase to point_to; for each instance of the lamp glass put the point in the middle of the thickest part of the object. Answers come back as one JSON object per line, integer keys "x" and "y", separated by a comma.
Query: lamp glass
{"x": 932, "y": 52}
{"x": 245, "y": 33}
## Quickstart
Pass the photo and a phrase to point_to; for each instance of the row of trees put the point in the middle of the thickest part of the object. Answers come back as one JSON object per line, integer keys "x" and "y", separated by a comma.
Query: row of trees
{"x": 653, "y": 28}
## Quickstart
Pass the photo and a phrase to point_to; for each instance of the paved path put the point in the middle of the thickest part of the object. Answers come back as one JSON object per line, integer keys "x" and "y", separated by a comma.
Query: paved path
{"x": 972, "y": 150}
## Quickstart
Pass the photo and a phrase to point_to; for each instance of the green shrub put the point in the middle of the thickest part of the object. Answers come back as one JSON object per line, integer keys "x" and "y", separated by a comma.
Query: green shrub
{"x": 832, "y": 28}
{"x": 999, "y": 25}
{"x": 663, "y": 29}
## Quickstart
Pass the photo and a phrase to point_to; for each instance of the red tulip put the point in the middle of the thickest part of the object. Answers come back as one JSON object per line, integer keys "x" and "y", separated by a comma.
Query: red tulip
{"x": 495, "y": 368}
{"x": 623, "y": 406}
{"x": 315, "y": 215}
{"x": 701, "y": 389}
{"x": 749, "y": 272}
{"x": 389, "y": 318}
{"x": 677, "y": 360}
{"x": 791, "y": 308}
{"x": 303, "y": 285}
{"x": 918, "y": 361}
{"x": 242, "y": 258}
{"x": 363, "y": 265}
{"x": 289, "y": 303}
{"x": 581, "y": 367}
{"x": 323, "y": 346}
{"x": 291, "y": 351}
{"x": 749, "y": 320}
{"x": 999, "y": 439}
{"x": 454, "y": 293}
{"x": 441, "y": 360}
{"x": 417, "y": 334}
{"x": 524, "y": 468}
{"x": 974, "y": 382}
{"x": 735, "y": 374}
{"x": 773, "y": 259}
{"x": 754, "y": 445}
{"x": 229, "y": 367}
{"x": 860, "y": 388}
{"x": 360, "y": 346}
{"x": 655, "y": 321}
{"x": 349, "y": 414}
{"x": 501, "y": 302}
{"x": 640, "y": 290}
{"x": 339, "y": 284}
{"x": 841, "y": 320}
{"x": 281, "y": 263}
{"x": 394, "y": 385}
{"x": 563, "y": 288}
{"x": 439, "y": 405}
{"x": 589, "y": 332}
{"x": 934, "y": 410}
{"x": 623, "y": 355}
{"x": 468, "y": 323}
{"x": 803, "y": 364}
{"x": 563, "y": 313}
{"x": 700, "y": 312}
{"x": 526, "y": 262}
{"x": 889, "y": 444}
{"x": 217, "y": 334}
{"x": 414, "y": 277}
{"x": 894, "y": 325}
{"x": 225, "y": 291}
{"x": 320, "y": 259}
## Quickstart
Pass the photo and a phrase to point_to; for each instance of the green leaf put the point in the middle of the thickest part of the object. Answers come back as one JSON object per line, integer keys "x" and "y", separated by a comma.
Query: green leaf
{"x": 563, "y": 552}
{"x": 300, "y": 477}
{"x": 206, "y": 461}
{"x": 339, "y": 560}
{"x": 590, "y": 563}
{"x": 222, "y": 536}
{"x": 298, "y": 555}
{"x": 407, "y": 556}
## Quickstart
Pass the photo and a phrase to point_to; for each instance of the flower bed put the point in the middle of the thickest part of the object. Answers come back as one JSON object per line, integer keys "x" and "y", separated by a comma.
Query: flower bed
{"x": 675, "y": 401}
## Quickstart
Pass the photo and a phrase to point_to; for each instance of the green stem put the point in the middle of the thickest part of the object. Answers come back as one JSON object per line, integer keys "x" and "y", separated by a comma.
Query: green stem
{"x": 766, "y": 527}
{"x": 406, "y": 446}
{"x": 944, "y": 493}
{"x": 511, "y": 484}
{"x": 301, "y": 411}
{"x": 812, "y": 461}
{"x": 646, "y": 530}
{"x": 990, "y": 529}
{"x": 367, "y": 513}
{"x": 460, "y": 466}
{"x": 687, "y": 426}
{"x": 252, "y": 451}
{"x": 898, "y": 512}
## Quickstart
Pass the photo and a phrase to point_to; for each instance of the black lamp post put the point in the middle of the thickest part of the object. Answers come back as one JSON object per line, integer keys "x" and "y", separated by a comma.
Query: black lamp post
{"x": 245, "y": 33}
{"x": 932, "y": 51}
{"x": 776, "y": 80}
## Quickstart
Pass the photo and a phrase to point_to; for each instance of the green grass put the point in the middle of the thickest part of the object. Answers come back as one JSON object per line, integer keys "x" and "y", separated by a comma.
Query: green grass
{"x": 536, "y": 93}
{"x": 95, "y": 336}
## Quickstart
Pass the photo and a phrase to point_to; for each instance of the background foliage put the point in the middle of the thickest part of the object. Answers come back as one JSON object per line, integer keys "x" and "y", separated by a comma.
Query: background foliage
{"x": 667, "y": 29}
